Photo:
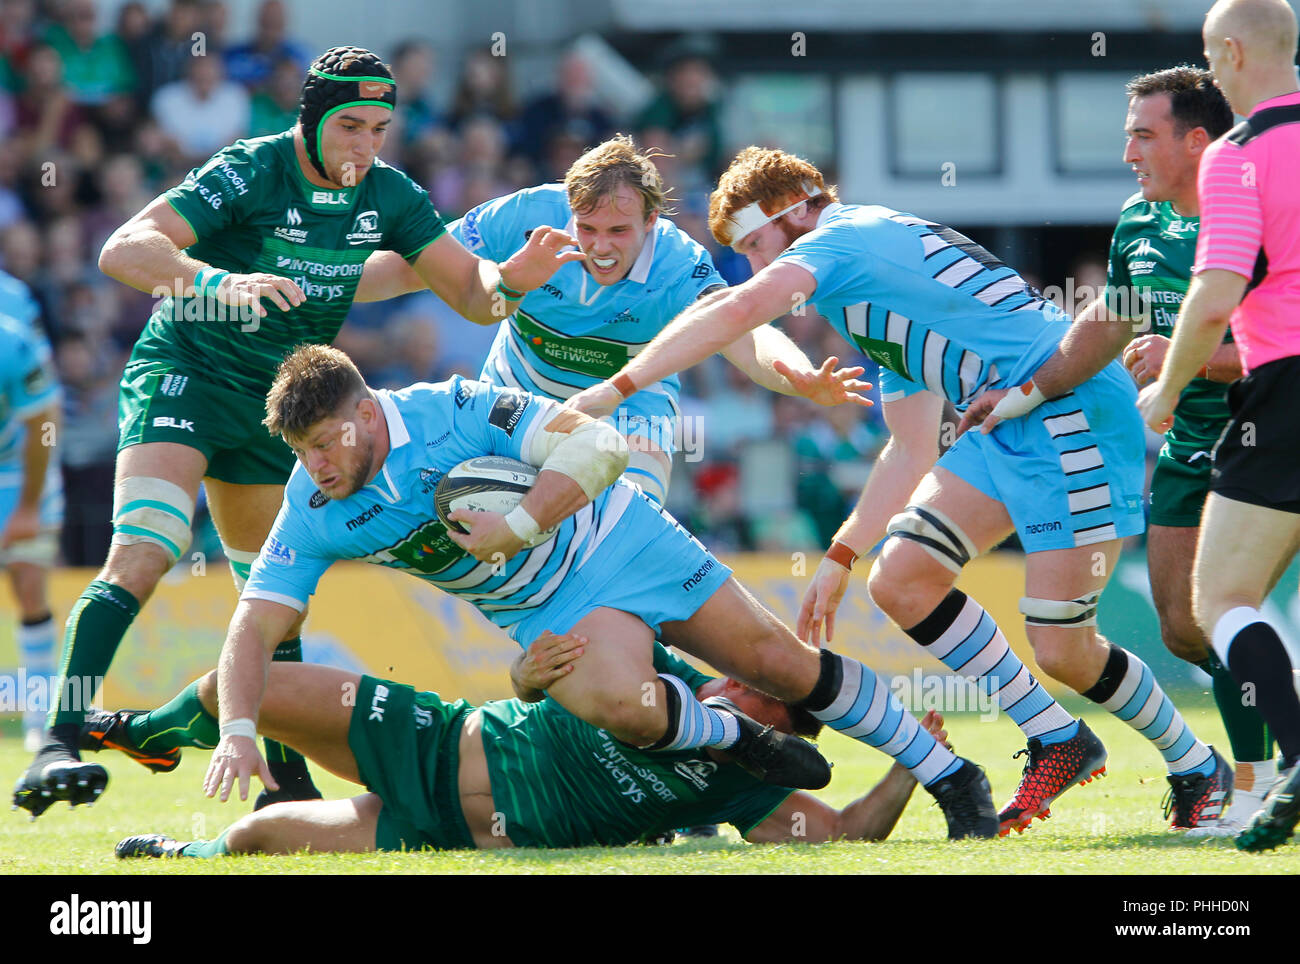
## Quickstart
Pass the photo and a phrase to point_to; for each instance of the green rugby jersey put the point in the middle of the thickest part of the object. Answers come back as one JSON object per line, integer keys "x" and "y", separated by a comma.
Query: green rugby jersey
{"x": 1150, "y": 264}
{"x": 561, "y": 782}
{"x": 253, "y": 210}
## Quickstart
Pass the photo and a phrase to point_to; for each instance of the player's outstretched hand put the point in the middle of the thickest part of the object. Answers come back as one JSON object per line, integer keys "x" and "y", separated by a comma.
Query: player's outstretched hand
{"x": 597, "y": 401}
{"x": 827, "y": 385}
{"x": 1145, "y": 357}
{"x": 546, "y": 661}
{"x": 238, "y": 290}
{"x": 236, "y": 758}
{"x": 823, "y": 597}
{"x": 933, "y": 724}
{"x": 1156, "y": 406}
{"x": 490, "y": 538}
{"x": 532, "y": 265}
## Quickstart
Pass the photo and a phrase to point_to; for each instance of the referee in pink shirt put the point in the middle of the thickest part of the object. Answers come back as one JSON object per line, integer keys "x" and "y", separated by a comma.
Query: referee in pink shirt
{"x": 1249, "y": 244}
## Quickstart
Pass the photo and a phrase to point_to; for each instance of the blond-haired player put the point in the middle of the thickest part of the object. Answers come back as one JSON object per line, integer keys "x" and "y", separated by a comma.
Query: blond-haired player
{"x": 594, "y": 316}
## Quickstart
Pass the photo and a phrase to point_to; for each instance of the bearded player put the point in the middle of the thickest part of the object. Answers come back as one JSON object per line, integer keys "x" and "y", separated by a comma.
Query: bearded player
{"x": 1058, "y": 460}
{"x": 259, "y": 250}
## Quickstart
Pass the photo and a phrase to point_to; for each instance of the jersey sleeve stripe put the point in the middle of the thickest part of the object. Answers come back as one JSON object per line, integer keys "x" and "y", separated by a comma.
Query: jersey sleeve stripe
{"x": 172, "y": 204}
{"x": 442, "y": 229}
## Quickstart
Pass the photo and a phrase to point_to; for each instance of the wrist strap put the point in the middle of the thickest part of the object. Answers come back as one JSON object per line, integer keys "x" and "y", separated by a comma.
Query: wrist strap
{"x": 240, "y": 727}
{"x": 505, "y": 289}
{"x": 841, "y": 554}
{"x": 522, "y": 524}
{"x": 207, "y": 280}
{"x": 624, "y": 385}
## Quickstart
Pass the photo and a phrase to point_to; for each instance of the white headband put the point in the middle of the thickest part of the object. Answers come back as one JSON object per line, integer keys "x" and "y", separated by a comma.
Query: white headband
{"x": 752, "y": 217}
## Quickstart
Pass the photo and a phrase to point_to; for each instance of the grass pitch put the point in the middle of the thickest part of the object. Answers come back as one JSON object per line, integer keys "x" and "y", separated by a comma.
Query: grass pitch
{"x": 1112, "y": 826}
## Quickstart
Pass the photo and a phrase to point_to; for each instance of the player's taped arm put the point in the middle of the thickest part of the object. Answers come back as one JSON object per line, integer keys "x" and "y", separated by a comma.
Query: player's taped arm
{"x": 590, "y": 453}
{"x": 712, "y": 324}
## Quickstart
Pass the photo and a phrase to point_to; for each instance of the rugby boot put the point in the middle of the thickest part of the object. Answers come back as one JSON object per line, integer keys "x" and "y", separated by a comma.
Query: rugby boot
{"x": 104, "y": 730}
{"x": 774, "y": 757}
{"x": 1276, "y": 820}
{"x": 57, "y": 774}
{"x": 1049, "y": 772}
{"x": 148, "y": 845}
{"x": 1196, "y": 800}
{"x": 966, "y": 802}
{"x": 1245, "y": 804}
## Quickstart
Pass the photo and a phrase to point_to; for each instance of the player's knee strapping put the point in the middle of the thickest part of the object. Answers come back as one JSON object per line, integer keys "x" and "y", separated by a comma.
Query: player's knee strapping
{"x": 155, "y": 511}
{"x": 649, "y": 472}
{"x": 1066, "y": 613}
{"x": 240, "y": 564}
{"x": 935, "y": 533}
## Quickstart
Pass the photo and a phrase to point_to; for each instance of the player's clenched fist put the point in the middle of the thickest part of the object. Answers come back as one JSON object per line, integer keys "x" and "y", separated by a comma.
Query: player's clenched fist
{"x": 489, "y": 539}
{"x": 1145, "y": 357}
{"x": 238, "y": 290}
{"x": 1156, "y": 406}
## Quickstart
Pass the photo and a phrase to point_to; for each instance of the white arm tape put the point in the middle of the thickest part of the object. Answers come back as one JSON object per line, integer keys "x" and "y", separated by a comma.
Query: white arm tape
{"x": 591, "y": 453}
{"x": 1021, "y": 400}
{"x": 240, "y": 727}
{"x": 522, "y": 524}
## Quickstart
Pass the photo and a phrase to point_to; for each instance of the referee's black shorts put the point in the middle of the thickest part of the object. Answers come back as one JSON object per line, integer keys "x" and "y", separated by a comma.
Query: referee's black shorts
{"x": 1257, "y": 459}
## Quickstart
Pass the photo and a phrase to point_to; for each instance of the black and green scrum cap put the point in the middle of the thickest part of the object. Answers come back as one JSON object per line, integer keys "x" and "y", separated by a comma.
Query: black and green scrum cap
{"x": 341, "y": 77}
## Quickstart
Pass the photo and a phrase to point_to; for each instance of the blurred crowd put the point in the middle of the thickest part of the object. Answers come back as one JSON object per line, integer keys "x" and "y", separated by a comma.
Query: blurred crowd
{"x": 97, "y": 118}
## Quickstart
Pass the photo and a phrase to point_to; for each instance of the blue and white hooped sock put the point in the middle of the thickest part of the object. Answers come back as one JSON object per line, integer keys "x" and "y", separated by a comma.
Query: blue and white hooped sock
{"x": 962, "y": 636}
{"x": 691, "y": 723}
{"x": 1128, "y": 689}
{"x": 850, "y": 698}
{"x": 36, "y": 656}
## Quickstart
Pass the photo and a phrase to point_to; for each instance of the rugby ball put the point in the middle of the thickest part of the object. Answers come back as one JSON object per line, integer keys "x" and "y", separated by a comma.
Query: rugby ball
{"x": 488, "y": 483}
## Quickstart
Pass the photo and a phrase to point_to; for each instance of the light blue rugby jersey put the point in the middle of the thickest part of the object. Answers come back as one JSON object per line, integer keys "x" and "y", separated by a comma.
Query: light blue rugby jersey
{"x": 572, "y": 332}
{"x": 17, "y": 303}
{"x": 27, "y": 385}
{"x": 930, "y": 306}
{"x": 391, "y": 521}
